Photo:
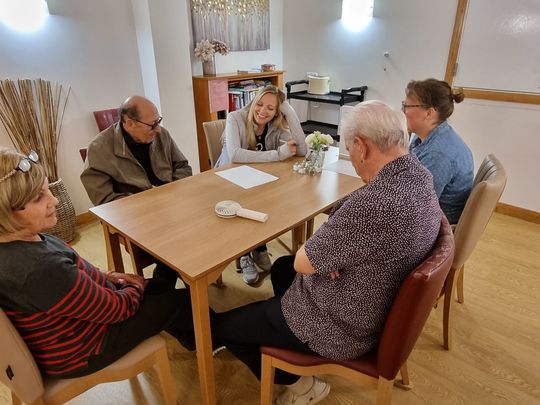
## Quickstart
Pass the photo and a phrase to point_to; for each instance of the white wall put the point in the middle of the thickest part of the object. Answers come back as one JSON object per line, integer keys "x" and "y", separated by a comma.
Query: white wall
{"x": 417, "y": 35}
{"x": 89, "y": 46}
{"x": 512, "y": 132}
{"x": 147, "y": 57}
{"x": 171, "y": 36}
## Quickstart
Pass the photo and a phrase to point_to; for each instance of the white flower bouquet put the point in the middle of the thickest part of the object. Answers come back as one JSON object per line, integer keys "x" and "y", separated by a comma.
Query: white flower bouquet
{"x": 317, "y": 141}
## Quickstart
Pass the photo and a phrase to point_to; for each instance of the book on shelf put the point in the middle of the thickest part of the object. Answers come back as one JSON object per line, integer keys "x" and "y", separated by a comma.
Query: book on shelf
{"x": 248, "y": 71}
{"x": 242, "y": 92}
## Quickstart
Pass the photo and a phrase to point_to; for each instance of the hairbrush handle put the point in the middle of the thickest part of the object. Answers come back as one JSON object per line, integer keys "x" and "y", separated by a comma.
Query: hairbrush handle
{"x": 250, "y": 214}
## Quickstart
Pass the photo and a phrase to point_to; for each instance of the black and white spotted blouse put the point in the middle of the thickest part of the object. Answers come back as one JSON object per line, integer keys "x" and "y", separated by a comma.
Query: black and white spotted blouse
{"x": 374, "y": 238}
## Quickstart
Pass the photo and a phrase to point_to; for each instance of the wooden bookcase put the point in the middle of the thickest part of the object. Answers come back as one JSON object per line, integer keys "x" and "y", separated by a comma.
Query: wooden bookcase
{"x": 202, "y": 103}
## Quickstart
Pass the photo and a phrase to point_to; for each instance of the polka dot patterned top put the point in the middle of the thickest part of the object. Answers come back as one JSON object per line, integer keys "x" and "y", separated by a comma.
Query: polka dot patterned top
{"x": 374, "y": 238}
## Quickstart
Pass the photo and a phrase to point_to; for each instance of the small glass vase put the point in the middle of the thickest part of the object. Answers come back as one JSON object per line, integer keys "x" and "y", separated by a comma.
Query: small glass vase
{"x": 209, "y": 67}
{"x": 313, "y": 163}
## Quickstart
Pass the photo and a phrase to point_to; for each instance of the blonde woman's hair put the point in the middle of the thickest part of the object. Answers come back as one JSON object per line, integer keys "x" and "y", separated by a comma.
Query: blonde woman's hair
{"x": 17, "y": 190}
{"x": 279, "y": 120}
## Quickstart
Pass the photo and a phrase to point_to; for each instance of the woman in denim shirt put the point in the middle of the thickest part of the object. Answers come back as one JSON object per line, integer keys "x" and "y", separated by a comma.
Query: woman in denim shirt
{"x": 427, "y": 106}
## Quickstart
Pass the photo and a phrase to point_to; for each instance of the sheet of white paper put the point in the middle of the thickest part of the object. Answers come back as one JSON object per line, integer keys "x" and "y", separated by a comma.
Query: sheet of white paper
{"x": 246, "y": 176}
{"x": 342, "y": 166}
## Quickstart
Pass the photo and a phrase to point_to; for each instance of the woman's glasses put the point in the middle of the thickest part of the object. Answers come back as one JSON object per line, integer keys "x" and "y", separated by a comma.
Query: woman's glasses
{"x": 25, "y": 164}
{"x": 405, "y": 106}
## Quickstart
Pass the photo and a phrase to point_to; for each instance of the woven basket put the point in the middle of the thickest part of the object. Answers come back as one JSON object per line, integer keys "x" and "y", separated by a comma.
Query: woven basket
{"x": 65, "y": 212}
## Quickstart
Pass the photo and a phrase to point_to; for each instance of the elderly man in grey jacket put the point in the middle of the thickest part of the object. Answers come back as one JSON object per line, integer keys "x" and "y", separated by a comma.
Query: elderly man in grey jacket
{"x": 132, "y": 155}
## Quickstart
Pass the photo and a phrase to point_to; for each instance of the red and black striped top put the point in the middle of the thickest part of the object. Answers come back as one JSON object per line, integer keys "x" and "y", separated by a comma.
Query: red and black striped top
{"x": 60, "y": 303}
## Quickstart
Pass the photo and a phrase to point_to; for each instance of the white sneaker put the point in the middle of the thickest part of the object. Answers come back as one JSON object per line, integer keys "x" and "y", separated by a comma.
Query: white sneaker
{"x": 217, "y": 350}
{"x": 262, "y": 260}
{"x": 318, "y": 391}
{"x": 249, "y": 272}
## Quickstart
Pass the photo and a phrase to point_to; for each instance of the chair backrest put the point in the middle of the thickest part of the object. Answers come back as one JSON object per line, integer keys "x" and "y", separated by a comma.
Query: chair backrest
{"x": 488, "y": 187}
{"x": 19, "y": 372}
{"x": 213, "y": 131}
{"x": 413, "y": 304}
{"x": 105, "y": 118}
{"x": 83, "y": 152}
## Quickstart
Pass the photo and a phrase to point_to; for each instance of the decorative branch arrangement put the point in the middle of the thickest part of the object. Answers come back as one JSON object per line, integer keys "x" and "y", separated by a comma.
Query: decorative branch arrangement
{"x": 32, "y": 111}
{"x": 205, "y": 49}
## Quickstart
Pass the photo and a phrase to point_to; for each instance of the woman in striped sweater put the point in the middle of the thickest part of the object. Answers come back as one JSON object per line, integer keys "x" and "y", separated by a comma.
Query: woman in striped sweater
{"x": 74, "y": 318}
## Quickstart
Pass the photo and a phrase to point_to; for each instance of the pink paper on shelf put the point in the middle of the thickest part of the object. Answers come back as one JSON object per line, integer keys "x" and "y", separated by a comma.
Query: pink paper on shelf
{"x": 218, "y": 94}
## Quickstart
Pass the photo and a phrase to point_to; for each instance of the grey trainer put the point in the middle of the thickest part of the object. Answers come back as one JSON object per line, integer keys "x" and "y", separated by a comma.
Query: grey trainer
{"x": 249, "y": 271}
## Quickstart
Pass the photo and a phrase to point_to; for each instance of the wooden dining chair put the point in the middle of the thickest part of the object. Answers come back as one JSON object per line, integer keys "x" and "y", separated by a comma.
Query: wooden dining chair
{"x": 213, "y": 131}
{"x": 21, "y": 375}
{"x": 408, "y": 314}
{"x": 488, "y": 186}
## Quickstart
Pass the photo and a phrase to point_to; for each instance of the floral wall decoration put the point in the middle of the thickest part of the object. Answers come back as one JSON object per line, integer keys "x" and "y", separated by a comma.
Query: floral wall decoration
{"x": 244, "y": 25}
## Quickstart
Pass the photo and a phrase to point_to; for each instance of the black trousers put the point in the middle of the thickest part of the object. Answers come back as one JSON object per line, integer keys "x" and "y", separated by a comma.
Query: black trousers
{"x": 162, "y": 308}
{"x": 243, "y": 330}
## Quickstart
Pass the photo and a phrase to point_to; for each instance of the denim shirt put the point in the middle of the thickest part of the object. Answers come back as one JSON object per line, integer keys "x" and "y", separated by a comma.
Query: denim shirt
{"x": 450, "y": 162}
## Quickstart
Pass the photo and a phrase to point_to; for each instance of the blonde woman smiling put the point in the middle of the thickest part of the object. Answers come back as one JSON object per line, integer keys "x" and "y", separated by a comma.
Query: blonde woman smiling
{"x": 265, "y": 130}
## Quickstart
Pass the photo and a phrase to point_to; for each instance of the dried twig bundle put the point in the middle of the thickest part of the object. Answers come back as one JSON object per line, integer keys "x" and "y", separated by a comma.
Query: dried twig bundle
{"x": 32, "y": 111}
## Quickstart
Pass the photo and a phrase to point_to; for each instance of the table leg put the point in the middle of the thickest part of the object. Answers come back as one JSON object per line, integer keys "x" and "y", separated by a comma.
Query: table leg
{"x": 112, "y": 245}
{"x": 298, "y": 237}
{"x": 201, "y": 323}
{"x": 309, "y": 228}
{"x": 139, "y": 258}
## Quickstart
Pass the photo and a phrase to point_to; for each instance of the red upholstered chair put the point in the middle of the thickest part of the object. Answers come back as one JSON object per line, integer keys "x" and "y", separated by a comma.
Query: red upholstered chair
{"x": 83, "y": 152}
{"x": 105, "y": 118}
{"x": 408, "y": 314}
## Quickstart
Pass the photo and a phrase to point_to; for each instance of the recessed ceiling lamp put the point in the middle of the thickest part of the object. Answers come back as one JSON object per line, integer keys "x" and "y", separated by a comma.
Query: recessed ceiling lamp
{"x": 356, "y": 14}
{"x": 23, "y": 15}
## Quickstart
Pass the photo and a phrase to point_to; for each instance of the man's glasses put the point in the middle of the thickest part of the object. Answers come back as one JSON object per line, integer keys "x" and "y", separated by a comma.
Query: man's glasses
{"x": 152, "y": 126}
{"x": 25, "y": 164}
{"x": 405, "y": 106}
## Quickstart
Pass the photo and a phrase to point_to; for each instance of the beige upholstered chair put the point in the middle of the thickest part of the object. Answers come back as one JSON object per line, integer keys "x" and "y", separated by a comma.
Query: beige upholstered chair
{"x": 408, "y": 314}
{"x": 488, "y": 187}
{"x": 21, "y": 375}
{"x": 213, "y": 131}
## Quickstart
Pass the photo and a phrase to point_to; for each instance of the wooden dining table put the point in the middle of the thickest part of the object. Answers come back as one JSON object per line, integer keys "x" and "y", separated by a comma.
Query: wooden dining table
{"x": 176, "y": 223}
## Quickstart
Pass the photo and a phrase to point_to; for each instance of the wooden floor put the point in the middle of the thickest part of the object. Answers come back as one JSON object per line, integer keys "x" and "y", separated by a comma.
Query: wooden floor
{"x": 496, "y": 355}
